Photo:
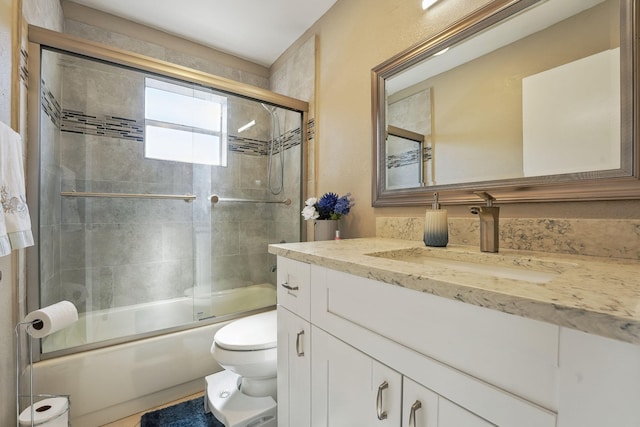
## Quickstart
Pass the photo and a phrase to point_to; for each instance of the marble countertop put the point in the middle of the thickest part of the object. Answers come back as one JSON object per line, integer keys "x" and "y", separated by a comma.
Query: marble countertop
{"x": 595, "y": 295}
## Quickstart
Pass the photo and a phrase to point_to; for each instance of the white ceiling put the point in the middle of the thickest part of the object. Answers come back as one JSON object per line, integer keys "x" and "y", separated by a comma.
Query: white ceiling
{"x": 257, "y": 30}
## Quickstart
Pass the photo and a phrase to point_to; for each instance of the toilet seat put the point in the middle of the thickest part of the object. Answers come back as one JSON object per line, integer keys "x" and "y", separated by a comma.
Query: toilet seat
{"x": 245, "y": 393}
{"x": 249, "y": 347}
{"x": 257, "y": 332}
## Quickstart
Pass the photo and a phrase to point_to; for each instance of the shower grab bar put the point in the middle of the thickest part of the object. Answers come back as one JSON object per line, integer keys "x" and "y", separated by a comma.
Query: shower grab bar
{"x": 215, "y": 199}
{"x": 186, "y": 197}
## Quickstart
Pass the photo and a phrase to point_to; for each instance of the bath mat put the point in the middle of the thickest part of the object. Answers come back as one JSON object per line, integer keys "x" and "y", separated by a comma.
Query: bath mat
{"x": 186, "y": 414}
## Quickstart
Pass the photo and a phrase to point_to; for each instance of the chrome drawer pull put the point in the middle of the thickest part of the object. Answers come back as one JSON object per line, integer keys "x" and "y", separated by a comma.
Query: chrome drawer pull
{"x": 299, "y": 348}
{"x": 412, "y": 415}
{"x": 291, "y": 288}
{"x": 382, "y": 415}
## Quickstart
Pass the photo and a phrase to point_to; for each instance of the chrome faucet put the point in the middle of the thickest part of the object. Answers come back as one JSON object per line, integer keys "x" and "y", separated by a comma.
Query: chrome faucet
{"x": 489, "y": 227}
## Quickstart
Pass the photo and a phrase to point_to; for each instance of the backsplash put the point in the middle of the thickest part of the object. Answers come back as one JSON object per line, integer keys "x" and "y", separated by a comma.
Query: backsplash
{"x": 613, "y": 238}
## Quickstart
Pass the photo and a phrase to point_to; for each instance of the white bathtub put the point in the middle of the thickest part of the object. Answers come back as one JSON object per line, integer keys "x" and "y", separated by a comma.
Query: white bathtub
{"x": 132, "y": 320}
{"x": 112, "y": 382}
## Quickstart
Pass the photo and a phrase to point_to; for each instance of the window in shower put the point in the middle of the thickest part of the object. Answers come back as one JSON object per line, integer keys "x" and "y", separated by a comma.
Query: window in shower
{"x": 185, "y": 124}
{"x": 131, "y": 237}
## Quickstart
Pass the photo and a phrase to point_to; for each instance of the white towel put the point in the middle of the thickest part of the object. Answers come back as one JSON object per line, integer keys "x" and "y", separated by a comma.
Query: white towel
{"x": 15, "y": 223}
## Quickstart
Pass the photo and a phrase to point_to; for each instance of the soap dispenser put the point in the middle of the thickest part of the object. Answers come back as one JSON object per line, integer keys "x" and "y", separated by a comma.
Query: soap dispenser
{"x": 436, "y": 227}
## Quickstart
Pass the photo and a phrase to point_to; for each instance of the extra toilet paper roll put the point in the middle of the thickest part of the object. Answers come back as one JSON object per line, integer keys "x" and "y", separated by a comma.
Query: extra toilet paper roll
{"x": 51, "y": 319}
{"x": 52, "y": 412}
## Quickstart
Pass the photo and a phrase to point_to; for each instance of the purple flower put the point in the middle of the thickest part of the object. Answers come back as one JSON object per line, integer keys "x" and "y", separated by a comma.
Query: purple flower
{"x": 326, "y": 204}
{"x": 343, "y": 205}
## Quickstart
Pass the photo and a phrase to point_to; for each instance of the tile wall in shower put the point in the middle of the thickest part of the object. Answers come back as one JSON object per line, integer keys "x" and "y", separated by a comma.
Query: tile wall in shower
{"x": 103, "y": 252}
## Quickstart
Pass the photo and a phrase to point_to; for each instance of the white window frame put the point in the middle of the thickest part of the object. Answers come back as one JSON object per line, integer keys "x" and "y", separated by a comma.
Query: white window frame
{"x": 200, "y": 136}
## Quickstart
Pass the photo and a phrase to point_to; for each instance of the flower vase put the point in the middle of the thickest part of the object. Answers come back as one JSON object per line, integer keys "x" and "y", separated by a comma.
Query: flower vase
{"x": 325, "y": 229}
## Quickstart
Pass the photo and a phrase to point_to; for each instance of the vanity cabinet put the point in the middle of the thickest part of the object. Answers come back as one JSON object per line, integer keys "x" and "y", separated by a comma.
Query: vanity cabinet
{"x": 379, "y": 348}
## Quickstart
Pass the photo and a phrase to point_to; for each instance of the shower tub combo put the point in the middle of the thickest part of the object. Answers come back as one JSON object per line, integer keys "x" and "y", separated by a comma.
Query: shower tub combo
{"x": 128, "y": 226}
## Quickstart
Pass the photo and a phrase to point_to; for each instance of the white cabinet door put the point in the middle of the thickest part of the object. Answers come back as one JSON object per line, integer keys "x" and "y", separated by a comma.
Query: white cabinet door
{"x": 349, "y": 388}
{"x": 294, "y": 370}
{"x": 452, "y": 415}
{"x": 419, "y": 405}
{"x": 599, "y": 381}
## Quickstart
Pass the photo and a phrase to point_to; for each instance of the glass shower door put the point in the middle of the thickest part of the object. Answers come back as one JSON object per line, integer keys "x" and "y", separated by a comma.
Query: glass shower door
{"x": 116, "y": 225}
{"x": 254, "y": 201}
{"x": 127, "y": 228}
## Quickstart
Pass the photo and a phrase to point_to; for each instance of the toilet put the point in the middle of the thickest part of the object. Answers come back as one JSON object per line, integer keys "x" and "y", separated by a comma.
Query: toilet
{"x": 244, "y": 394}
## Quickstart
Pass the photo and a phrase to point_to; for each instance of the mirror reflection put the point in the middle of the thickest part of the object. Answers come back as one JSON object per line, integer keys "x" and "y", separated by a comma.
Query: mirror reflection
{"x": 536, "y": 95}
{"x": 406, "y": 156}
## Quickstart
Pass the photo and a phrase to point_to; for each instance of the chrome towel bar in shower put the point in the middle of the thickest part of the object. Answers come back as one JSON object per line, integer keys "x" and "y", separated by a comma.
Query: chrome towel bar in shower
{"x": 185, "y": 197}
{"x": 215, "y": 199}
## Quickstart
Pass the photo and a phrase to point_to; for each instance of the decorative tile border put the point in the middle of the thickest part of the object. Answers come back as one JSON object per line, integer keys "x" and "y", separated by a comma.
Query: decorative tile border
{"x": 24, "y": 71}
{"x": 132, "y": 129}
{"x": 311, "y": 129}
{"x": 110, "y": 126}
{"x": 408, "y": 158}
{"x": 50, "y": 106}
{"x": 252, "y": 147}
{"x": 256, "y": 147}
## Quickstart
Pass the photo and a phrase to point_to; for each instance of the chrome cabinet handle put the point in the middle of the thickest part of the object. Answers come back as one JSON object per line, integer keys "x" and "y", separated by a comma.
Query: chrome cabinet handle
{"x": 382, "y": 415}
{"x": 291, "y": 288}
{"x": 299, "y": 348}
{"x": 412, "y": 415}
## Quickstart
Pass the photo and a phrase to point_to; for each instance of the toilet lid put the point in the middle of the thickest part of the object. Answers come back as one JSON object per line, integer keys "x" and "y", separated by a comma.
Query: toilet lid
{"x": 257, "y": 332}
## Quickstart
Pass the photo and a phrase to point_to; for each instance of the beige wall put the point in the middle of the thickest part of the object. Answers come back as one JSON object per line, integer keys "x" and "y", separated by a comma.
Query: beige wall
{"x": 353, "y": 37}
{"x": 7, "y": 377}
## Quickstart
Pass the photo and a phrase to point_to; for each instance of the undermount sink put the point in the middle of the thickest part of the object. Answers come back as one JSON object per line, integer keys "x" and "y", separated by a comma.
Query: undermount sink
{"x": 496, "y": 265}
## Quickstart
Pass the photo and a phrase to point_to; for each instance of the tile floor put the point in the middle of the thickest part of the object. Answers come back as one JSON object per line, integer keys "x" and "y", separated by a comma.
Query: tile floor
{"x": 134, "y": 420}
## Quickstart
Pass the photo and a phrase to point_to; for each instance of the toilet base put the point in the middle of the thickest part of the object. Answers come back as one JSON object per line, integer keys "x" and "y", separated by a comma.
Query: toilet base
{"x": 235, "y": 409}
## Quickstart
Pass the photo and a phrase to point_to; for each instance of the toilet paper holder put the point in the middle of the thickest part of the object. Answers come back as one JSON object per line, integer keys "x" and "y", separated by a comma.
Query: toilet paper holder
{"x": 24, "y": 326}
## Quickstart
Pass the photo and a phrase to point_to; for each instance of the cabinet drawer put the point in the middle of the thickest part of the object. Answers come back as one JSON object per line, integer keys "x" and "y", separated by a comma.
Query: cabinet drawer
{"x": 294, "y": 279}
{"x": 517, "y": 355}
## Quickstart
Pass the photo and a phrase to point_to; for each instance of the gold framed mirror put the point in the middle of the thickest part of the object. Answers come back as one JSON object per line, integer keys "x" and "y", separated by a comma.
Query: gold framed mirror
{"x": 530, "y": 100}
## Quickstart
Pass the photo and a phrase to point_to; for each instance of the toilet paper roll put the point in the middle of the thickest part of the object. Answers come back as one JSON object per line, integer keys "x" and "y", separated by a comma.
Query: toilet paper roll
{"x": 52, "y": 412}
{"x": 51, "y": 319}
